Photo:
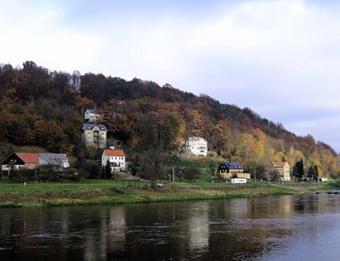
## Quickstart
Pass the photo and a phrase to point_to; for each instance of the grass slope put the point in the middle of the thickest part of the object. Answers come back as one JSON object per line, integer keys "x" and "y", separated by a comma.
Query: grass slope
{"x": 95, "y": 192}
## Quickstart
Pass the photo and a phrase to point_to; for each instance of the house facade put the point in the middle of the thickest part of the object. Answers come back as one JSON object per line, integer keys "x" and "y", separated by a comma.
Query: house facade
{"x": 229, "y": 170}
{"x": 94, "y": 135}
{"x": 282, "y": 169}
{"x": 116, "y": 158}
{"x": 55, "y": 159}
{"x": 197, "y": 146}
{"x": 92, "y": 116}
{"x": 17, "y": 161}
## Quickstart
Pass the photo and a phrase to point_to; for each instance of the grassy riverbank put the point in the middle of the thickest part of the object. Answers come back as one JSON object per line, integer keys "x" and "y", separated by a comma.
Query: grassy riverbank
{"x": 94, "y": 192}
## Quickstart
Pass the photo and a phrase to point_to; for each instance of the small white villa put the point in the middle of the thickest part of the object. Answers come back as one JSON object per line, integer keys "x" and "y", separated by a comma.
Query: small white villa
{"x": 91, "y": 116}
{"x": 115, "y": 157}
{"x": 197, "y": 146}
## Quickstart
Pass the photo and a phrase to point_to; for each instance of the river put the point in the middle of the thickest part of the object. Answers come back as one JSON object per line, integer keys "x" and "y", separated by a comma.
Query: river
{"x": 299, "y": 227}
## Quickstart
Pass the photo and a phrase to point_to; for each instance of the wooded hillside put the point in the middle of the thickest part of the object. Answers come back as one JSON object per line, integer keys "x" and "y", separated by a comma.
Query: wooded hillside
{"x": 45, "y": 108}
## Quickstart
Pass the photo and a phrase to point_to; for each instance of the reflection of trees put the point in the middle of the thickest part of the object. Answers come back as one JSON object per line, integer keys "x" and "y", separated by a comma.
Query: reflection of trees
{"x": 80, "y": 233}
{"x": 239, "y": 208}
{"x": 209, "y": 230}
{"x": 231, "y": 233}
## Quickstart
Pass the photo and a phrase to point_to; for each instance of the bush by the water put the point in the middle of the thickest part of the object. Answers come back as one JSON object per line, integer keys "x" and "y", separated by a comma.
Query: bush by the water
{"x": 43, "y": 173}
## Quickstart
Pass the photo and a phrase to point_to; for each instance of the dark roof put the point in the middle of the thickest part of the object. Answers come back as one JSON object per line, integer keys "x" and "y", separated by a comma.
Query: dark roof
{"x": 231, "y": 165}
{"x": 90, "y": 126}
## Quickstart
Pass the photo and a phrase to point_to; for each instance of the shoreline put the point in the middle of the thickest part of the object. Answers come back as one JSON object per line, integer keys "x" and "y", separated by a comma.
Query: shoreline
{"x": 113, "y": 193}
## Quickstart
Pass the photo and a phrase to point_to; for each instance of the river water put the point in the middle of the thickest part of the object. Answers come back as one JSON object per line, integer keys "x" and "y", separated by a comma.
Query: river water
{"x": 270, "y": 228}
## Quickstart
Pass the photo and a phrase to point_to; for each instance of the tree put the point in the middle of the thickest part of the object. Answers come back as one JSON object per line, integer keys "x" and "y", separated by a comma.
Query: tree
{"x": 107, "y": 170}
{"x": 151, "y": 166}
{"x": 191, "y": 174}
{"x": 313, "y": 173}
{"x": 298, "y": 170}
{"x": 273, "y": 175}
{"x": 212, "y": 168}
{"x": 316, "y": 172}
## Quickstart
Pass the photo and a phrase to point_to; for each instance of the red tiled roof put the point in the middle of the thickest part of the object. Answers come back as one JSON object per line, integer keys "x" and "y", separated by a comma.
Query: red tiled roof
{"x": 29, "y": 157}
{"x": 118, "y": 153}
{"x": 278, "y": 164}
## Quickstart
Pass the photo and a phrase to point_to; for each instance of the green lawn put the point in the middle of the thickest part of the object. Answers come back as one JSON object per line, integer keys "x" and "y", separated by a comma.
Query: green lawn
{"x": 115, "y": 192}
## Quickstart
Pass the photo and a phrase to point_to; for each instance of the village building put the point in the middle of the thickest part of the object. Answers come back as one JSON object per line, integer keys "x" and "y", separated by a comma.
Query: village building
{"x": 197, "y": 146}
{"x": 17, "y": 161}
{"x": 54, "y": 159}
{"x": 94, "y": 135}
{"x": 229, "y": 170}
{"x": 116, "y": 158}
{"x": 91, "y": 116}
{"x": 282, "y": 169}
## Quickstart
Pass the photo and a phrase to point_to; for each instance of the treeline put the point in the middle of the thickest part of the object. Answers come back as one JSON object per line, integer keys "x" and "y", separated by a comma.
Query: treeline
{"x": 45, "y": 108}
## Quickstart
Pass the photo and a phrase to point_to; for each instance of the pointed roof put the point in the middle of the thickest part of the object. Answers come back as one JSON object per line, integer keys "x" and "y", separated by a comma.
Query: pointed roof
{"x": 32, "y": 158}
{"x": 231, "y": 165}
{"x": 279, "y": 164}
{"x": 115, "y": 153}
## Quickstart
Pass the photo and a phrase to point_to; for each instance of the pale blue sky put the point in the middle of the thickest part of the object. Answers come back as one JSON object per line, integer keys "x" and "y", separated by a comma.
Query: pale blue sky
{"x": 280, "y": 58}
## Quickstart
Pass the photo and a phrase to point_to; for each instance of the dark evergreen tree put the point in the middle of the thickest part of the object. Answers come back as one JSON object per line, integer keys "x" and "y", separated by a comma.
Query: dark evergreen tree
{"x": 316, "y": 173}
{"x": 311, "y": 173}
{"x": 107, "y": 172}
{"x": 298, "y": 170}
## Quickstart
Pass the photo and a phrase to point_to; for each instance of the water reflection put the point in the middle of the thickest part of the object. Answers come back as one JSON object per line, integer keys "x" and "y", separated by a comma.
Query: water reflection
{"x": 199, "y": 226}
{"x": 271, "y": 228}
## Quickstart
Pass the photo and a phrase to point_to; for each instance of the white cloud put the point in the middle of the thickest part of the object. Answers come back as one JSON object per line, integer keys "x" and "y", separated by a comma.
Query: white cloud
{"x": 37, "y": 32}
{"x": 280, "y": 58}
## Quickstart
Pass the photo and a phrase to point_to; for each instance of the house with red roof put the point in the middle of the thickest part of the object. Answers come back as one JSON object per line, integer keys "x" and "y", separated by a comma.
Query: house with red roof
{"x": 115, "y": 157}
{"x": 283, "y": 170}
{"x": 17, "y": 161}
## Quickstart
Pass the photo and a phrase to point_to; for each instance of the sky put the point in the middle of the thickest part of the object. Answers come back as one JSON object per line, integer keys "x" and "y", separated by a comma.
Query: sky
{"x": 279, "y": 58}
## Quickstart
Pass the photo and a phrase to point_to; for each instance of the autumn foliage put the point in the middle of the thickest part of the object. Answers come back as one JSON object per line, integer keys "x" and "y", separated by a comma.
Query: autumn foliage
{"x": 39, "y": 107}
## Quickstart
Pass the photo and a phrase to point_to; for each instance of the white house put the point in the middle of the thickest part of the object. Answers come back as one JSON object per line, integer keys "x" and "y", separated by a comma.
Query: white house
{"x": 197, "y": 146}
{"x": 55, "y": 159}
{"x": 91, "y": 115}
{"x": 115, "y": 157}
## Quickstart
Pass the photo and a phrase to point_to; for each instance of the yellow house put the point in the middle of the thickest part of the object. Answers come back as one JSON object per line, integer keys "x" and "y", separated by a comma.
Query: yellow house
{"x": 229, "y": 170}
{"x": 229, "y": 176}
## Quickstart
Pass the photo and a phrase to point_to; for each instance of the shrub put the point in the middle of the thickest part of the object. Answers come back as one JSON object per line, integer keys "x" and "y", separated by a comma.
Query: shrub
{"x": 90, "y": 169}
{"x": 191, "y": 173}
{"x": 43, "y": 173}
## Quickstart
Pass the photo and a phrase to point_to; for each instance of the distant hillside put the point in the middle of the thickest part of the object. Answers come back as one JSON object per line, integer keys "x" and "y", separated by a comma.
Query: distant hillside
{"x": 46, "y": 108}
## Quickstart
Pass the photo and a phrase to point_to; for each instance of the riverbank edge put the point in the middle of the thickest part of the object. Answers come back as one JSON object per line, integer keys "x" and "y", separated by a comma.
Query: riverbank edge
{"x": 157, "y": 196}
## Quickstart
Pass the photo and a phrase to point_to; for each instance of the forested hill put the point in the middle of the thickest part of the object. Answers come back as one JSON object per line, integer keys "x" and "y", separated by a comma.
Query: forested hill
{"x": 40, "y": 107}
